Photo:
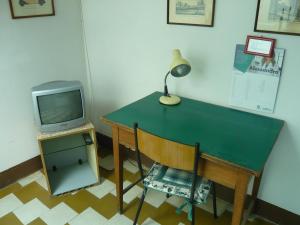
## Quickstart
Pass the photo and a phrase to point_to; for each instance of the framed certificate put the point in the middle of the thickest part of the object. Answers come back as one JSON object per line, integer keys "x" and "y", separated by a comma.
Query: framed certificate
{"x": 260, "y": 46}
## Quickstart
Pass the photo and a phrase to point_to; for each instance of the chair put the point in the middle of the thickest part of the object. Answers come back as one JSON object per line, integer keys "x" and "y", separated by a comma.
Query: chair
{"x": 174, "y": 171}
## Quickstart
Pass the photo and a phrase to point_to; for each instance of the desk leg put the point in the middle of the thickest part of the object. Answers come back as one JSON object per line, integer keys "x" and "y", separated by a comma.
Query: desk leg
{"x": 118, "y": 163}
{"x": 252, "y": 204}
{"x": 239, "y": 198}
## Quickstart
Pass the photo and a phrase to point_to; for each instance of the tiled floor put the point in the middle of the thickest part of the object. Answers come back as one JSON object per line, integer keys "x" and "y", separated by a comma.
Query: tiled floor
{"x": 28, "y": 202}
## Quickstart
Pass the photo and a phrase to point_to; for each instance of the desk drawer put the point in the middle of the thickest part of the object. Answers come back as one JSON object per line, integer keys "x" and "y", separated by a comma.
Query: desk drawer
{"x": 221, "y": 174}
{"x": 126, "y": 138}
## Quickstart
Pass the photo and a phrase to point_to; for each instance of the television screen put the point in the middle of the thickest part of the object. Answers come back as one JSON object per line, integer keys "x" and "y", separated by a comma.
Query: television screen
{"x": 60, "y": 107}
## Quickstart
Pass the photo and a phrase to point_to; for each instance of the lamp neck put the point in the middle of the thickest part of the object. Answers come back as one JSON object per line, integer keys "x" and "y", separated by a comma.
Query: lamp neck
{"x": 166, "y": 93}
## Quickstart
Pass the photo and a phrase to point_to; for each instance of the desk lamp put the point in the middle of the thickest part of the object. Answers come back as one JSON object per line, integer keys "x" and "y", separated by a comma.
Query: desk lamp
{"x": 179, "y": 68}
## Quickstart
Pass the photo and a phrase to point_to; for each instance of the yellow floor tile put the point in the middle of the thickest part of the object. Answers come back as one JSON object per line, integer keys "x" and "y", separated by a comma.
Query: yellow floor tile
{"x": 107, "y": 206}
{"x": 37, "y": 221}
{"x": 10, "y": 219}
{"x": 81, "y": 201}
{"x": 10, "y": 189}
{"x": 34, "y": 190}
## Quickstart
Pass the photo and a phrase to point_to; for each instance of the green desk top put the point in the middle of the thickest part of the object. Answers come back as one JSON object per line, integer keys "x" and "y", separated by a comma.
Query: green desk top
{"x": 242, "y": 138}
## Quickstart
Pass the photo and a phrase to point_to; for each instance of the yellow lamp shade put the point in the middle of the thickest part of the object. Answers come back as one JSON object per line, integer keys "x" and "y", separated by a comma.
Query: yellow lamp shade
{"x": 179, "y": 66}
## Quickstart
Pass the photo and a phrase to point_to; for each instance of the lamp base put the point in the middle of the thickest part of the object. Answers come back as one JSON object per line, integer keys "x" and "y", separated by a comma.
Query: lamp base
{"x": 169, "y": 100}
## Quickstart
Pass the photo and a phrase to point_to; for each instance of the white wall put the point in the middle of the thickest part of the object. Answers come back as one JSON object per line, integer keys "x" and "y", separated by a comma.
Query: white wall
{"x": 33, "y": 51}
{"x": 129, "y": 46}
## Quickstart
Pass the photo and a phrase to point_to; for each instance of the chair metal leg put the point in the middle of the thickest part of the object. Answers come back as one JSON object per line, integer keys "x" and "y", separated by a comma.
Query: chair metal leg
{"x": 140, "y": 207}
{"x": 214, "y": 200}
{"x": 193, "y": 214}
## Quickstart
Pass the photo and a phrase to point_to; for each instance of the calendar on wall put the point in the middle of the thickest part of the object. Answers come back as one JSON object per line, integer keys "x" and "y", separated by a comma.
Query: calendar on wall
{"x": 255, "y": 80}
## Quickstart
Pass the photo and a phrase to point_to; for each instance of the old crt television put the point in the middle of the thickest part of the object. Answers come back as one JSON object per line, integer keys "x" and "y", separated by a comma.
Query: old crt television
{"x": 58, "y": 105}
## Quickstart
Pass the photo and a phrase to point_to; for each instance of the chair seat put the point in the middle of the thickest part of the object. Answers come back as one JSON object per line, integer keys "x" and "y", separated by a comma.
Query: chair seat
{"x": 177, "y": 182}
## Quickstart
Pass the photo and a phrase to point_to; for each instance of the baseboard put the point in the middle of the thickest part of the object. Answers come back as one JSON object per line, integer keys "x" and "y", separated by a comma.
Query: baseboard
{"x": 105, "y": 145}
{"x": 264, "y": 209}
{"x": 276, "y": 214}
{"x": 30, "y": 166}
{"x": 21, "y": 170}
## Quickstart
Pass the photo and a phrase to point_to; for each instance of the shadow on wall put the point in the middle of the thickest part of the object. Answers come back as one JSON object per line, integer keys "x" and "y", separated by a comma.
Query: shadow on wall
{"x": 282, "y": 163}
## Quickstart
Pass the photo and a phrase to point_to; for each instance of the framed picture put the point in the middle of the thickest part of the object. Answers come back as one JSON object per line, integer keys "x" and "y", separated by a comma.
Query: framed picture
{"x": 191, "y": 12}
{"x": 278, "y": 16}
{"x": 260, "y": 46}
{"x": 31, "y": 8}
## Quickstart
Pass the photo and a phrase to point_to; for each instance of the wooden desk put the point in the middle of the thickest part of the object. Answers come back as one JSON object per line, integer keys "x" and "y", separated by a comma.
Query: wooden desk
{"x": 235, "y": 144}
